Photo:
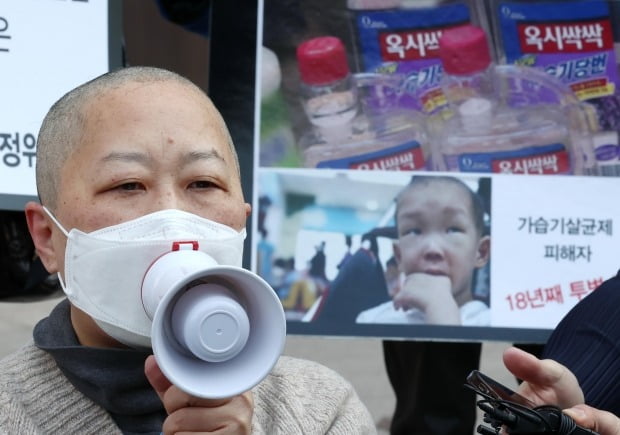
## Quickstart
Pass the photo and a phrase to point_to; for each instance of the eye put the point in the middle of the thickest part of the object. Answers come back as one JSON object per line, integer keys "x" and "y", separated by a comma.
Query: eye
{"x": 455, "y": 229}
{"x": 130, "y": 186}
{"x": 202, "y": 184}
{"x": 411, "y": 231}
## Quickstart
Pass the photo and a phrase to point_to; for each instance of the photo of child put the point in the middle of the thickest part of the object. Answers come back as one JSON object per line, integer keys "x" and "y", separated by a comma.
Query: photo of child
{"x": 443, "y": 240}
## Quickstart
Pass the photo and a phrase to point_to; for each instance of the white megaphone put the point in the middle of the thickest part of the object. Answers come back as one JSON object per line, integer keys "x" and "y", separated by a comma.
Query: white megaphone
{"x": 217, "y": 330}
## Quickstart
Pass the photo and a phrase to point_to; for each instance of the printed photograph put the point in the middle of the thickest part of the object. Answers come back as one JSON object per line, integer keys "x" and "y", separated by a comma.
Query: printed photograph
{"x": 362, "y": 247}
{"x": 389, "y": 85}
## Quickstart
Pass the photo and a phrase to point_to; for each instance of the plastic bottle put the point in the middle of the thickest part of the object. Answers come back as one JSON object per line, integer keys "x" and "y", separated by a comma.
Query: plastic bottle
{"x": 277, "y": 141}
{"x": 328, "y": 93}
{"x": 504, "y": 119}
{"x": 356, "y": 121}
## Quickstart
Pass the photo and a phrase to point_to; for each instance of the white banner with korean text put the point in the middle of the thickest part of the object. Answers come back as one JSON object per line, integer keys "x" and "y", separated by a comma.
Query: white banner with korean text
{"x": 554, "y": 241}
{"x": 46, "y": 48}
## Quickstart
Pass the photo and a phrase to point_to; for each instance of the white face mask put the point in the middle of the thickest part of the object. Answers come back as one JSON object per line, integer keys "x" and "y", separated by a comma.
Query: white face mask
{"x": 104, "y": 269}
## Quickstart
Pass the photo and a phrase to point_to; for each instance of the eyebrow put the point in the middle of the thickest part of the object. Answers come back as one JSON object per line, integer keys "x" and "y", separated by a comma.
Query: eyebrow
{"x": 449, "y": 211}
{"x": 145, "y": 159}
{"x": 194, "y": 156}
{"x": 132, "y": 157}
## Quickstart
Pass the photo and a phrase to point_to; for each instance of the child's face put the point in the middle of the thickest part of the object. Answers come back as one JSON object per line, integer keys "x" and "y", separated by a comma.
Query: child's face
{"x": 437, "y": 235}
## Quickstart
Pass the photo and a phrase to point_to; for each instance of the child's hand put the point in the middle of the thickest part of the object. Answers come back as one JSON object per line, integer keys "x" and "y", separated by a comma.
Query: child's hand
{"x": 431, "y": 294}
{"x": 187, "y": 413}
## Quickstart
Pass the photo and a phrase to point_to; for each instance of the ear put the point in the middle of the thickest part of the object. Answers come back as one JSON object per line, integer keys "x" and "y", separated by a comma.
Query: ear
{"x": 483, "y": 252}
{"x": 41, "y": 230}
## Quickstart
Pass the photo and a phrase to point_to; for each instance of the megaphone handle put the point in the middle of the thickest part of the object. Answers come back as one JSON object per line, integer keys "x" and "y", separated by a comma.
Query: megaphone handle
{"x": 161, "y": 384}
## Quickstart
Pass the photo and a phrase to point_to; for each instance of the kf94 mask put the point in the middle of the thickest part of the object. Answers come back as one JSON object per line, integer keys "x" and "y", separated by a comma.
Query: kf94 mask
{"x": 104, "y": 269}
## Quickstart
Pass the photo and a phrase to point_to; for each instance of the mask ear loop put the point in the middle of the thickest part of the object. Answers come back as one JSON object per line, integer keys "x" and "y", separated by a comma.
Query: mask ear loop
{"x": 53, "y": 218}
{"x": 61, "y": 228}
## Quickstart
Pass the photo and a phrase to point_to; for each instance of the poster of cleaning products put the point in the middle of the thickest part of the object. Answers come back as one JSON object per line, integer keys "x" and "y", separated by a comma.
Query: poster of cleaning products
{"x": 436, "y": 169}
{"x": 70, "y": 46}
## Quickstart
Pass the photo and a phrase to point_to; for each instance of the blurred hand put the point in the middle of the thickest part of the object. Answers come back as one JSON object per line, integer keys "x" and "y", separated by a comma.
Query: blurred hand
{"x": 545, "y": 382}
{"x": 431, "y": 294}
{"x": 603, "y": 422}
{"x": 189, "y": 414}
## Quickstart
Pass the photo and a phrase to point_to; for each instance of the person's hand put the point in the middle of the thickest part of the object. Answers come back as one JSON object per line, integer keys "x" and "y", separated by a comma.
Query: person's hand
{"x": 432, "y": 294}
{"x": 189, "y": 414}
{"x": 545, "y": 382}
{"x": 602, "y": 422}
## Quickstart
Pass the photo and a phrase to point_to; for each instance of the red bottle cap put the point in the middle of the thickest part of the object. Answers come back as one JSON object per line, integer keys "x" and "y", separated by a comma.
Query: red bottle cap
{"x": 322, "y": 60}
{"x": 464, "y": 50}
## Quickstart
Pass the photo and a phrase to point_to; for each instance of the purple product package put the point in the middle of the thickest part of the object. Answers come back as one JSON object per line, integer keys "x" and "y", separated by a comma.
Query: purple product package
{"x": 574, "y": 42}
{"x": 406, "y": 42}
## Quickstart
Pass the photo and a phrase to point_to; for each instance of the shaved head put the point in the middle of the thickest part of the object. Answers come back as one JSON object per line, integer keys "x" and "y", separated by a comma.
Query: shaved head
{"x": 62, "y": 130}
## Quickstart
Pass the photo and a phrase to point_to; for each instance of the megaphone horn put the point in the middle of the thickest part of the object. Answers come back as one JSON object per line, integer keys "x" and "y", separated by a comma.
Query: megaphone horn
{"x": 217, "y": 330}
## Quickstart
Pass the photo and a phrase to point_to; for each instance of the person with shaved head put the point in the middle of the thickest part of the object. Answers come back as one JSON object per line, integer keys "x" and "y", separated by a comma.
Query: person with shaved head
{"x": 125, "y": 162}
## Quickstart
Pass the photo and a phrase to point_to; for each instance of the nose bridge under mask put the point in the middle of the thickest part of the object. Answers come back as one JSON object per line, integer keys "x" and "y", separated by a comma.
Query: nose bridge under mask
{"x": 170, "y": 229}
{"x": 167, "y": 224}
